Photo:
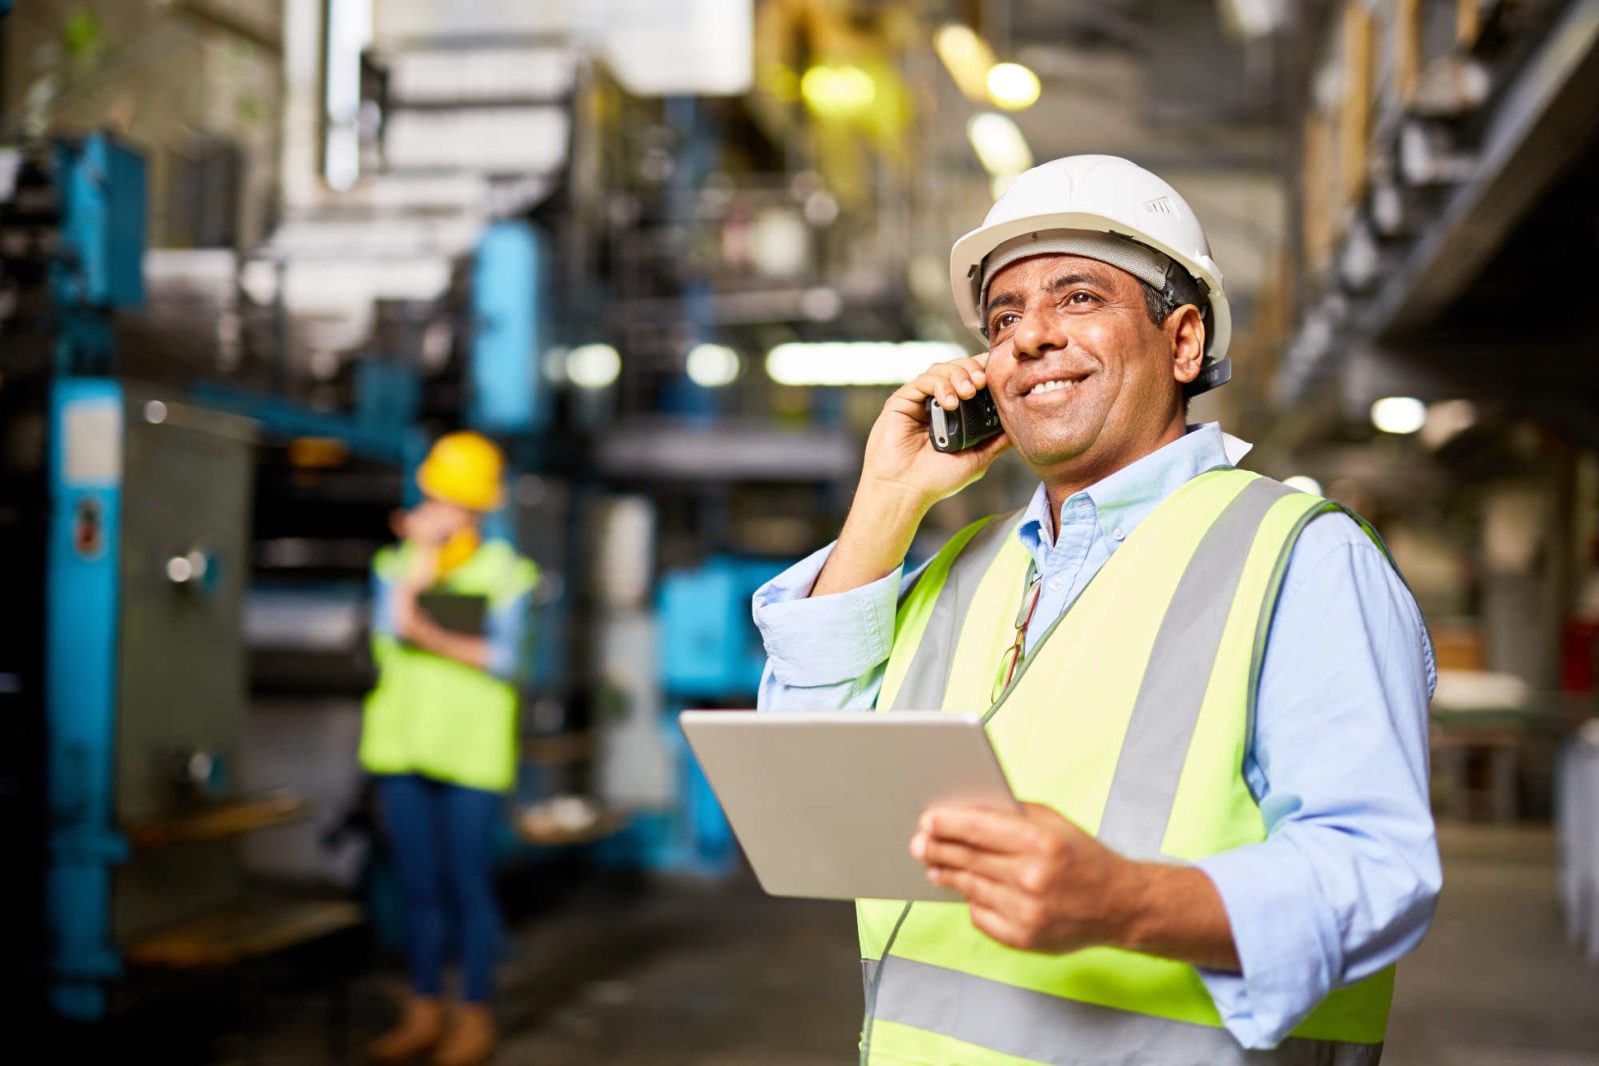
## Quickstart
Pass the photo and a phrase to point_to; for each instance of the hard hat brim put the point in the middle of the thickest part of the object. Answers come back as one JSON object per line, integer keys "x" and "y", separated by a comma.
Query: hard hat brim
{"x": 967, "y": 255}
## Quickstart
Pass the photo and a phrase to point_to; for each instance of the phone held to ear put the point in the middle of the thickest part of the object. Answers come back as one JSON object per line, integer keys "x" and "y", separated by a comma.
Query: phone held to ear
{"x": 971, "y": 423}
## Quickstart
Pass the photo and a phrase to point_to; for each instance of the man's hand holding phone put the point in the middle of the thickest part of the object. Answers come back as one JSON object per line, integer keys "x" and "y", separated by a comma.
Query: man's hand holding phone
{"x": 903, "y": 474}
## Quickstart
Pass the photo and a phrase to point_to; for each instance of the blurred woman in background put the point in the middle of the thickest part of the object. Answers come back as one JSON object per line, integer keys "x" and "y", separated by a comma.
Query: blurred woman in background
{"x": 440, "y": 738}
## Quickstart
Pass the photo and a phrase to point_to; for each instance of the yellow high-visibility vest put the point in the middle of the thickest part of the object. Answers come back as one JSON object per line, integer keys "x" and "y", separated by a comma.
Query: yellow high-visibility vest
{"x": 437, "y": 717}
{"x": 1131, "y": 717}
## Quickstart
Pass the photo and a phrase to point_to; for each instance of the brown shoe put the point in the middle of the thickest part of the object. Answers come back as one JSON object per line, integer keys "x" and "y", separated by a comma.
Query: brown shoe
{"x": 419, "y": 1028}
{"x": 470, "y": 1039}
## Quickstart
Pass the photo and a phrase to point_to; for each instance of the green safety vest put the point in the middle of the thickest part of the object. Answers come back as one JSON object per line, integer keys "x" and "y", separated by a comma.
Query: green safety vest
{"x": 437, "y": 717}
{"x": 1131, "y": 717}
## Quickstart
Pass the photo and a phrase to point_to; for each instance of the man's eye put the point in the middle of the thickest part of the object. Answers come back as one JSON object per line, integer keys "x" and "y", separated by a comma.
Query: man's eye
{"x": 1080, "y": 297}
{"x": 1003, "y": 321}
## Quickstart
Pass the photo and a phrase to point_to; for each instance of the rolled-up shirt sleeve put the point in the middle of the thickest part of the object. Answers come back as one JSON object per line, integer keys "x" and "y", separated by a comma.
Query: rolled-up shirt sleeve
{"x": 824, "y": 653}
{"x": 504, "y": 629}
{"x": 1348, "y": 877}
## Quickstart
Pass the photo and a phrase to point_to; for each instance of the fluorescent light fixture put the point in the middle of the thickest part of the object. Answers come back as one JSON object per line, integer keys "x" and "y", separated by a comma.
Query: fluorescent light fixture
{"x": 967, "y": 57}
{"x": 1399, "y": 414}
{"x": 856, "y": 362}
{"x": 711, "y": 366}
{"x": 999, "y": 144}
{"x": 593, "y": 366}
{"x": 1012, "y": 86}
{"x": 1304, "y": 483}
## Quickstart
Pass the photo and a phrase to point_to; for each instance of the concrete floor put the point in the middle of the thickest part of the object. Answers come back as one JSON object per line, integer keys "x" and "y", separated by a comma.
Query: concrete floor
{"x": 723, "y": 976}
{"x": 717, "y": 975}
{"x": 1495, "y": 983}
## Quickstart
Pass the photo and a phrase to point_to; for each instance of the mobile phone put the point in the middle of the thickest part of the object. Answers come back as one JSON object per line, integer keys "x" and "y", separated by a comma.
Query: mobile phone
{"x": 972, "y": 422}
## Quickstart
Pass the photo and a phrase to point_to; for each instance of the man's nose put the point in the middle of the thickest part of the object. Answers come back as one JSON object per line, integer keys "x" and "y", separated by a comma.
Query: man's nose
{"x": 1039, "y": 332}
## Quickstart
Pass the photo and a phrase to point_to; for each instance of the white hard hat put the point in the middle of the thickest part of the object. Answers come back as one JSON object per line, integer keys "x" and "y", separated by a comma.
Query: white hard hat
{"x": 1094, "y": 205}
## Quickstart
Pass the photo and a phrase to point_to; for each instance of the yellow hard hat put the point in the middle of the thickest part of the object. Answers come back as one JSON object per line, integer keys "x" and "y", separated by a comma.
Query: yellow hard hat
{"x": 465, "y": 469}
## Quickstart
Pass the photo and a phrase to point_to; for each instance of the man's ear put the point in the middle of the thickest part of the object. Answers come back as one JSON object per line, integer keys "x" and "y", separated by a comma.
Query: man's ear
{"x": 1185, "y": 328}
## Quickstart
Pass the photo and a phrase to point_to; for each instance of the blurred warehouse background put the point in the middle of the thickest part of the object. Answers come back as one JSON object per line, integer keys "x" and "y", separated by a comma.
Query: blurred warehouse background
{"x": 256, "y": 254}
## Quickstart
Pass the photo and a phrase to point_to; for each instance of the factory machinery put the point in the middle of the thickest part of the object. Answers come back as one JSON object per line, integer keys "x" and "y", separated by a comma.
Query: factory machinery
{"x": 126, "y": 530}
{"x": 201, "y": 448}
{"x": 198, "y": 552}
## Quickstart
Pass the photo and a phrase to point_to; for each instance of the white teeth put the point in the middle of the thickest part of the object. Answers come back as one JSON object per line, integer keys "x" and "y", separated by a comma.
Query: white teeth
{"x": 1050, "y": 386}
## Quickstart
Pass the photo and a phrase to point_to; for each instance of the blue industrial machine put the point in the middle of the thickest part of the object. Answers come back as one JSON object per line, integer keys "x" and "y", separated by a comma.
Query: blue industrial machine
{"x": 81, "y": 615}
{"x": 97, "y": 270}
{"x": 147, "y": 554}
{"x": 99, "y": 267}
{"x": 509, "y": 333}
{"x": 143, "y": 503}
{"x": 711, "y": 656}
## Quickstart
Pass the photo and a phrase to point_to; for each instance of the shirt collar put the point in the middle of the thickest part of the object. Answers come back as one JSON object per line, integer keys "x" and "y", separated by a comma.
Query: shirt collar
{"x": 1127, "y": 497}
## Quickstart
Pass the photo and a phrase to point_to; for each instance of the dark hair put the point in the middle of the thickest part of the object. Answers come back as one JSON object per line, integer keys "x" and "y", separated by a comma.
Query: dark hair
{"x": 1160, "y": 306}
{"x": 1157, "y": 303}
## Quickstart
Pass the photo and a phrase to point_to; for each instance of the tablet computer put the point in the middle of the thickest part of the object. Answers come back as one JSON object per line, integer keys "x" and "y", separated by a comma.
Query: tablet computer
{"x": 456, "y": 612}
{"x": 825, "y": 803}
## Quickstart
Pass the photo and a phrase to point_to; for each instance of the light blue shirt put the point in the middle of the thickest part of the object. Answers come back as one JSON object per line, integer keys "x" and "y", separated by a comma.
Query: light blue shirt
{"x": 1348, "y": 877}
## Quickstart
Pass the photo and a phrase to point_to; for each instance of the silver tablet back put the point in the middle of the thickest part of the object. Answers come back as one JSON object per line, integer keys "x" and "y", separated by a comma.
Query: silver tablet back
{"x": 825, "y": 803}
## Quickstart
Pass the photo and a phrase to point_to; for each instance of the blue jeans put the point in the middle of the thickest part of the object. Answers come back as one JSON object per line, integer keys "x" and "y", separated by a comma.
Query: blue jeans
{"x": 441, "y": 837}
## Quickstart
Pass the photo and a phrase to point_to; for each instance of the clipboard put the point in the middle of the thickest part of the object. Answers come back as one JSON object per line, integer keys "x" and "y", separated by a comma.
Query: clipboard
{"x": 455, "y": 612}
{"x": 825, "y": 804}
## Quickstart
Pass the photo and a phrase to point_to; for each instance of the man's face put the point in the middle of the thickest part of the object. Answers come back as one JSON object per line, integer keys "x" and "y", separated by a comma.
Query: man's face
{"x": 1084, "y": 381}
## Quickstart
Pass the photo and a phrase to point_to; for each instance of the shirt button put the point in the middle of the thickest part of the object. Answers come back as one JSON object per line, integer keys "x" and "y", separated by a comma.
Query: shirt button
{"x": 1119, "y": 535}
{"x": 1054, "y": 584}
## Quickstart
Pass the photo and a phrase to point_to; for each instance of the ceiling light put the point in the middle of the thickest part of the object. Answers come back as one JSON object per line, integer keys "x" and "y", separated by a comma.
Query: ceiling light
{"x": 1399, "y": 414}
{"x": 999, "y": 144}
{"x": 593, "y": 366}
{"x": 1012, "y": 86}
{"x": 1304, "y": 483}
{"x": 711, "y": 366}
{"x": 838, "y": 91}
{"x": 1252, "y": 19}
{"x": 856, "y": 362}
{"x": 967, "y": 57}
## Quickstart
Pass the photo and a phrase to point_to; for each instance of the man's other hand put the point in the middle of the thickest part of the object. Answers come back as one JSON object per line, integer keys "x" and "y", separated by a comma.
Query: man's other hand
{"x": 1037, "y": 882}
{"x": 1034, "y": 880}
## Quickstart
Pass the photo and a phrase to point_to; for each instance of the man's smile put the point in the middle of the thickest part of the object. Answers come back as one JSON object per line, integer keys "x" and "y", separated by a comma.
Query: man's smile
{"x": 1055, "y": 387}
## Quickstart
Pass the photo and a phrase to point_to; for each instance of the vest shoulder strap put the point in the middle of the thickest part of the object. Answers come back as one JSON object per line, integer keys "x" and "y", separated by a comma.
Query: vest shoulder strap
{"x": 930, "y": 616}
{"x": 1177, "y": 675}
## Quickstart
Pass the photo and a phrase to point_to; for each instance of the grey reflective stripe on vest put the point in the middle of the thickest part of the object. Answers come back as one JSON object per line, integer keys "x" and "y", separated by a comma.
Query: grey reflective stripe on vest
{"x": 928, "y": 677}
{"x": 1065, "y": 1032}
{"x": 1166, "y": 712}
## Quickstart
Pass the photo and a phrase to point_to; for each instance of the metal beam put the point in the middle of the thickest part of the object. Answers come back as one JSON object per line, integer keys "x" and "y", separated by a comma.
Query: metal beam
{"x": 1540, "y": 125}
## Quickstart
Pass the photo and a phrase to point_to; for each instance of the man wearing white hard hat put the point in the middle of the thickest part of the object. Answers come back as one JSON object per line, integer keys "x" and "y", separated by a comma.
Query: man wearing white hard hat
{"x": 1210, "y": 689}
